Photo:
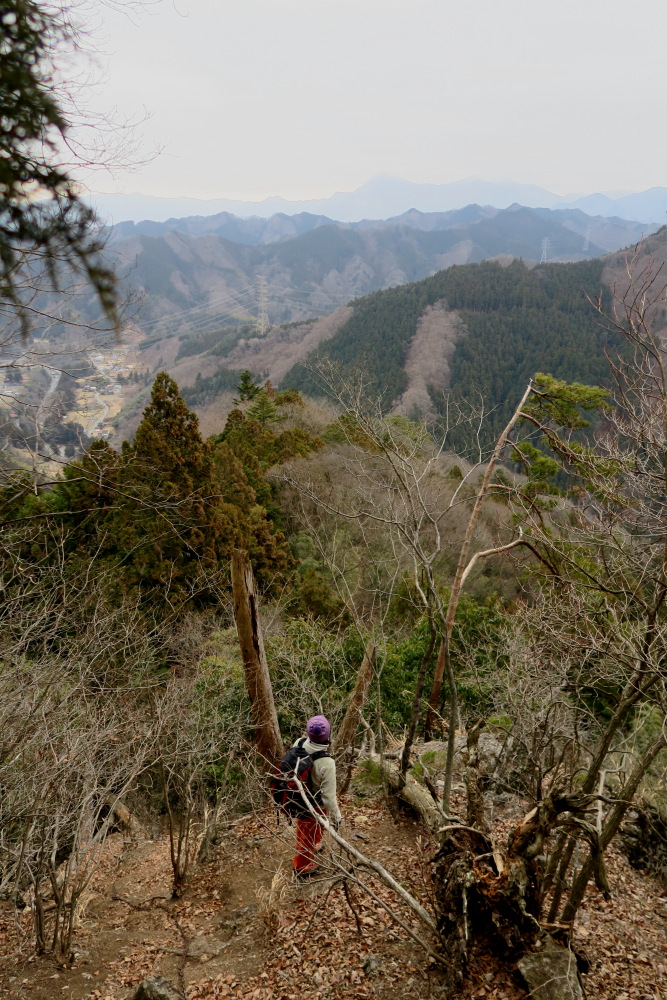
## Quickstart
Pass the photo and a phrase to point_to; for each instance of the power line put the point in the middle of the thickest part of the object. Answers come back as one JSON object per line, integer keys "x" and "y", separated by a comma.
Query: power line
{"x": 213, "y": 303}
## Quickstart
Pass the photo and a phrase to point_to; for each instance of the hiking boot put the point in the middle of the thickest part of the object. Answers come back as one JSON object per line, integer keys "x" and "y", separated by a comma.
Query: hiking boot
{"x": 303, "y": 874}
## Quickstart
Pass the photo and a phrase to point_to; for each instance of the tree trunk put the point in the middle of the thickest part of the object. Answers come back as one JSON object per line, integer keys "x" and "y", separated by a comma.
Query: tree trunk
{"x": 436, "y": 691}
{"x": 125, "y": 818}
{"x": 445, "y": 667}
{"x": 257, "y": 679}
{"x": 610, "y": 828}
{"x": 412, "y": 794}
{"x": 475, "y": 815}
{"x": 417, "y": 701}
{"x": 488, "y": 900}
{"x": 347, "y": 730}
{"x": 344, "y": 743}
{"x": 567, "y": 843}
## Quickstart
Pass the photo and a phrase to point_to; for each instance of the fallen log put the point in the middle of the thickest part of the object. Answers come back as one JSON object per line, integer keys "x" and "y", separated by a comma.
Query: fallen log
{"x": 412, "y": 794}
{"x": 126, "y": 819}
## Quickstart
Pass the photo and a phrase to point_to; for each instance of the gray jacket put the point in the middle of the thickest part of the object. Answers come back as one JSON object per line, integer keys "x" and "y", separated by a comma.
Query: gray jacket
{"x": 324, "y": 779}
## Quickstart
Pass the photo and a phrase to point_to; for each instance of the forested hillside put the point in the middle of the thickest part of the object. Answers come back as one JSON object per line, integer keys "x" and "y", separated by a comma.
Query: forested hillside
{"x": 518, "y": 321}
{"x": 193, "y": 273}
{"x": 494, "y": 324}
{"x": 195, "y": 295}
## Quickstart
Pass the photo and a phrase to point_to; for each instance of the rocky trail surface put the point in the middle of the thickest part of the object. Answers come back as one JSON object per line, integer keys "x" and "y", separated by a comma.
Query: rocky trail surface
{"x": 244, "y": 929}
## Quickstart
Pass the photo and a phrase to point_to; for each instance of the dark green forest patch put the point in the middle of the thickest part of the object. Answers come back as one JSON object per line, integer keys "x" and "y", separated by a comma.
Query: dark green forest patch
{"x": 519, "y": 321}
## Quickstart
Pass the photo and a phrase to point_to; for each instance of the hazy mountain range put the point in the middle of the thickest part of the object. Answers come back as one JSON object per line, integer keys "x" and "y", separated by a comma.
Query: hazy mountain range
{"x": 199, "y": 297}
{"x": 195, "y": 274}
{"x": 382, "y": 296}
{"x": 477, "y": 331}
{"x": 384, "y": 196}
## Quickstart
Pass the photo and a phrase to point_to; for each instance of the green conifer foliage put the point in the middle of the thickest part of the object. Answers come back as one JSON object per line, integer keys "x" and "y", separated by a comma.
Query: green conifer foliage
{"x": 55, "y": 229}
{"x": 263, "y": 409}
{"x": 158, "y": 520}
{"x": 190, "y": 503}
{"x": 247, "y": 446}
{"x": 168, "y": 437}
{"x": 177, "y": 529}
{"x": 258, "y": 448}
{"x": 247, "y": 387}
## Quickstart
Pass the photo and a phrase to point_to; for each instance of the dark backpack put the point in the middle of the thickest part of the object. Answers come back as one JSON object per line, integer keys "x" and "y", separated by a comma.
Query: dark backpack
{"x": 284, "y": 789}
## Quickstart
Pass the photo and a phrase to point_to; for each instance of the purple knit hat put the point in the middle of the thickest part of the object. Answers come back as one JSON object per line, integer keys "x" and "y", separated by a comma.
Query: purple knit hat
{"x": 318, "y": 729}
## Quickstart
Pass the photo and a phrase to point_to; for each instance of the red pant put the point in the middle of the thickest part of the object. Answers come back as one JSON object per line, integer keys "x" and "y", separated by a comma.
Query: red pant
{"x": 308, "y": 836}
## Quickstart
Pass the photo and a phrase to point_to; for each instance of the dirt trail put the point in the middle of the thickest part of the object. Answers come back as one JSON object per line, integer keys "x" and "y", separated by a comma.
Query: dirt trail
{"x": 250, "y": 932}
{"x": 240, "y": 937}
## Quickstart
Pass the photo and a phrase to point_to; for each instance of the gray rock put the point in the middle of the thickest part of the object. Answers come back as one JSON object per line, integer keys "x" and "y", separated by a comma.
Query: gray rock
{"x": 490, "y": 752}
{"x": 205, "y": 946}
{"x": 157, "y": 988}
{"x": 371, "y": 965}
{"x": 551, "y": 974}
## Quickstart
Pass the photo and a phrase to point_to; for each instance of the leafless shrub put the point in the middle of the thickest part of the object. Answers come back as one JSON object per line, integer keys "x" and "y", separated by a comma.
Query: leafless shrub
{"x": 393, "y": 494}
{"x": 197, "y": 747}
{"x": 69, "y": 755}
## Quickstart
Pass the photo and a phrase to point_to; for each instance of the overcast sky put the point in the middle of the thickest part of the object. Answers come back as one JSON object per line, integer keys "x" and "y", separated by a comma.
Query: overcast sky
{"x": 302, "y": 98}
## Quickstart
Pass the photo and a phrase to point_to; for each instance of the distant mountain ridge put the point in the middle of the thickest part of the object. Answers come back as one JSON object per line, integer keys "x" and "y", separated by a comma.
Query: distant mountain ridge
{"x": 478, "y": 328}
{"x": 197, "y": 273}
{"x": 252, "y": 231}
{"x": 383, "y": 196}
{"x": 605, "y": 233}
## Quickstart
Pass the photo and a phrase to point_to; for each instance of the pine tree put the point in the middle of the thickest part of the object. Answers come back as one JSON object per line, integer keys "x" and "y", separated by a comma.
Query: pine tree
{"x": 247, "y": 388}
{"x": 264, "y": 409}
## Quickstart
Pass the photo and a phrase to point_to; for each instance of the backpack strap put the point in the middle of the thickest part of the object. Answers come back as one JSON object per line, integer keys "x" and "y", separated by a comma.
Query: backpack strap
{"x": 318, "y": 755}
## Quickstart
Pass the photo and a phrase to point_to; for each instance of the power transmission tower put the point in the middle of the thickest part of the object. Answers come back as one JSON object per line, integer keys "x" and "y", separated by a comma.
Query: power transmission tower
{"x": 587, "y": 240}
{"x": 262, "y": 324}
{"x": 546, "y": 247}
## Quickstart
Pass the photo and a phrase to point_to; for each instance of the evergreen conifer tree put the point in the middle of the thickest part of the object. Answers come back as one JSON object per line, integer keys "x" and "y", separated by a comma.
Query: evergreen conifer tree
{"x": 42, "y": 216}
{"x": 263, "y": 409}
{"x": 247, "y": 388}
{"x": 178, "y": 528}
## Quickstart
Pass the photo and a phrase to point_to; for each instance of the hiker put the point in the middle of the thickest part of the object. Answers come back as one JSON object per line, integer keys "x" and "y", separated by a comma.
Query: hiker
{"x": 323, "y": 786}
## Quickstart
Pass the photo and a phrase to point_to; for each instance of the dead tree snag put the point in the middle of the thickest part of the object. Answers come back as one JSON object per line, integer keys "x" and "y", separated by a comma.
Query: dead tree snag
{"x": 350, "y": 724}
{"x": 488, "y": 899}
{"x": 256, "y": 668}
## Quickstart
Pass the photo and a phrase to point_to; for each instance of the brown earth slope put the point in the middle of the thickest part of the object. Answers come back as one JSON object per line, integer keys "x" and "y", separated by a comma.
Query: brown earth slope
{"x": 243, "y": 929}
